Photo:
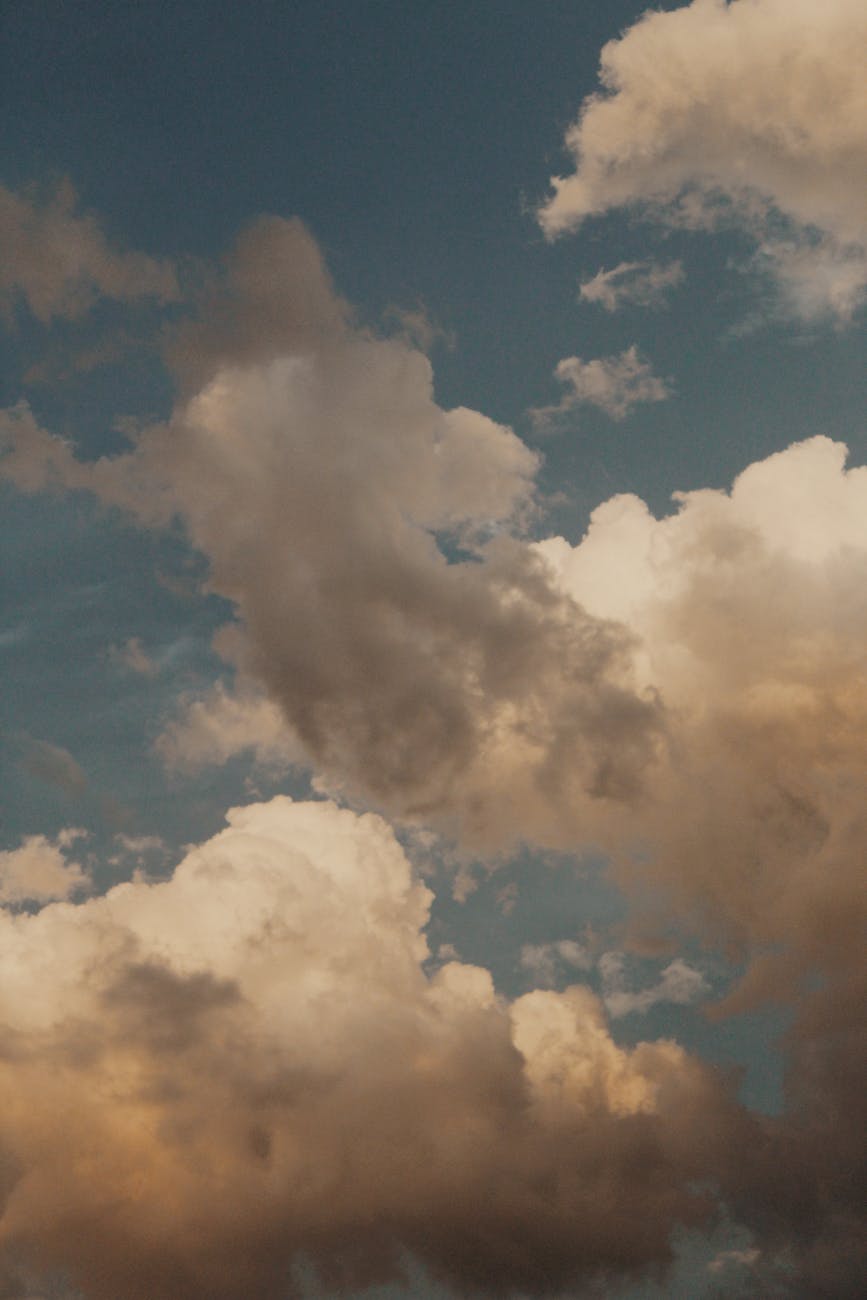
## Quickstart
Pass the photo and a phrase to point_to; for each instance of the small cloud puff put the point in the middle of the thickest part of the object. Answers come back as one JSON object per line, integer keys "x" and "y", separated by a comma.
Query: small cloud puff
{"x": 545, "y": 962}
{"x": 38, "y": 871}
{"x": 615, "y": 385}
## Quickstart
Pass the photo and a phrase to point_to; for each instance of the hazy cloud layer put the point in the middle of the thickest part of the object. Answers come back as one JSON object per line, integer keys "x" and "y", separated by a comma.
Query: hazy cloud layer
{"x": 750, "y": 612}
{"x": 754, "y": 111}
{"x": 58, "y": 261}
{"x": 253, "y": 1062}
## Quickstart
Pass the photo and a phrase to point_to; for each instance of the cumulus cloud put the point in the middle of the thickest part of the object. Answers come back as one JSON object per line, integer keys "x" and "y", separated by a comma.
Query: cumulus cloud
{"x": 616, "y": 385}
{"x": 753, "y": 111}
{"x": 686, "y": 693}
{"x": 58, "y": 261}
{"x": 253, "y": 1060}
{"x": 313, "y": 468}
{"x": 751, "y": 629}
{"x": 644, "y": 284}
{"x": 749, "y": 610}
{"x": 39, "y": 871}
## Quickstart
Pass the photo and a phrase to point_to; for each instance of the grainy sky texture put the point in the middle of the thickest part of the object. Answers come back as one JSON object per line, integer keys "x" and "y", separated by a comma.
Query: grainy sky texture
{"x": 433, "y": 465}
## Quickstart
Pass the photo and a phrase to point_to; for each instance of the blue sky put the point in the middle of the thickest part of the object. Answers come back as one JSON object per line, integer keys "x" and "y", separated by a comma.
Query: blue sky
{"x": 337, "y": 460}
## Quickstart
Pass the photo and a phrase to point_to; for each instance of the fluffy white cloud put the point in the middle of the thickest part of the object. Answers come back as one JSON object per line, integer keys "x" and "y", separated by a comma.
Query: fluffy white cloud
{"x": 752, "y": 631}
{"x": 253, "y": 1061}
{"x": 38, "y": 871}
{"x": 644, "y": 284}
{"x": 751, "y": 111}
{"x": 616, "y": 385}
{"x": 58, "y": 261}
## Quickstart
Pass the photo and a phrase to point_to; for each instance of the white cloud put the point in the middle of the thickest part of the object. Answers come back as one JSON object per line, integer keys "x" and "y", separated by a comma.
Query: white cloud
{"x": 679, "y": 983}
{"x": 754, "y": 112}
{"x": 750, "y": 626}
{"x": 38, "y": 871}
{"x": 644, "y": 284}
{"x": 616, "y": 385}
{"x": 546, "y": 961}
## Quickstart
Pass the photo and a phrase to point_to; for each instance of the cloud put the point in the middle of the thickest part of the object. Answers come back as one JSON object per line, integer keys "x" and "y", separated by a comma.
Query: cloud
{"x": 546, "y": 961}
{"x": 679, "y": 983}
{"x": 315, "y": 471}
{"x": 54, "y": 764}
{"x": 616, "y": 385}
{"x": 58, "y": 261}
{"x": 253, "y": 1060}
{"x": 685, "y": 693}
{"x": 133, "y": 656}
{"x": 39, "y": 872}
{"x": 739, "y": 1258}
{"x": 644, "y": 284}
{"x": 749, "y": 612}
{"x": 223, "y": 723}
{"x": 752, "y": 112}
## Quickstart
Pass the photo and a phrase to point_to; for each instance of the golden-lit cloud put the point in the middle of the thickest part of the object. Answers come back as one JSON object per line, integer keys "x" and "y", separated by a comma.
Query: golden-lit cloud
{"x": 205, "y": 1079}
{"x": 753, "y": 112}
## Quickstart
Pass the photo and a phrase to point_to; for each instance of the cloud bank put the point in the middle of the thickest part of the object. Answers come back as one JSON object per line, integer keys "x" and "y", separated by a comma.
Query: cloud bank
{"x": 251, "y": 1053}
{"x": 206, "y": 1079}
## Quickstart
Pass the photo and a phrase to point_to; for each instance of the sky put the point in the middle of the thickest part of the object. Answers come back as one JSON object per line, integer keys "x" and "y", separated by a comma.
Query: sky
{"x": 433, "y": 465}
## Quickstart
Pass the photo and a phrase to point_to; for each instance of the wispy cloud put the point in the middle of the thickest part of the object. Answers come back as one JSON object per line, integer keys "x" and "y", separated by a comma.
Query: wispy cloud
{"x": 545, "y": 962}
{"x": 58, "y": 261}
{"x": 54, "y": 764}
{"x": 641, "y": 284}
{"x": 678, "y": 983}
